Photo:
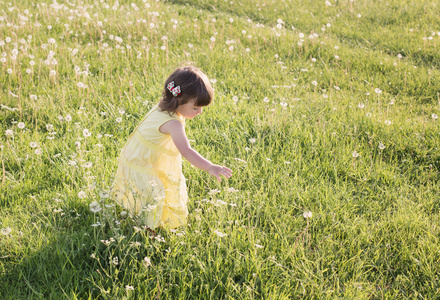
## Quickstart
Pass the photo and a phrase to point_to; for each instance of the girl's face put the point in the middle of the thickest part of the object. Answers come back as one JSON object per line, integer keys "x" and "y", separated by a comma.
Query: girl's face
{"x": 189, "y": 110}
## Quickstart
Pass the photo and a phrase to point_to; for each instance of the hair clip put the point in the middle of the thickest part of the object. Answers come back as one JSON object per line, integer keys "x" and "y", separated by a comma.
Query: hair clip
{"x": 174, "y": 90}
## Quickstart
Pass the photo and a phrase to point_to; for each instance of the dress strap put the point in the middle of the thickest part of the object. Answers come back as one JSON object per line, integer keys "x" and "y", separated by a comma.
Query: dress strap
{"x": 149, "y": 113}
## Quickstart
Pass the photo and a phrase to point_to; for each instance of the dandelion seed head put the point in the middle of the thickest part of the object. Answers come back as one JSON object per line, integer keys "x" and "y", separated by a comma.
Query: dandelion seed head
{"x": 6, "y": 230}
{"x": 94, "y": 206}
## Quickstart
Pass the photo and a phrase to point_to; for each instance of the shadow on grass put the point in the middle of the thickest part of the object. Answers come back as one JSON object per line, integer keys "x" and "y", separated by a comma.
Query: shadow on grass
{"x": 53, "y": 263}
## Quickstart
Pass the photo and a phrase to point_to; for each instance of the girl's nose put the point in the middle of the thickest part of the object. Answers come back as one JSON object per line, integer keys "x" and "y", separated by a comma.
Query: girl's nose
{"x": 199, "y": 111}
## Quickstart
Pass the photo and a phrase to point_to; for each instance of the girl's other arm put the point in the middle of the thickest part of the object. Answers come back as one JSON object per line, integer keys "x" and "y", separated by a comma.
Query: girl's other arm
{"x": 177, "y": 132}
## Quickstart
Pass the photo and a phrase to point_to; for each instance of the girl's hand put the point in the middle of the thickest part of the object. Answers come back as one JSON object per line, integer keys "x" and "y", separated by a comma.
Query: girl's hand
{"x": 216, "y": 170}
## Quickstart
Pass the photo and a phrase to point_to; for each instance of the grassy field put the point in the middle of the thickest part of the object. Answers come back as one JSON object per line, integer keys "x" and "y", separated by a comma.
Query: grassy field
{"x": 327, "y": 111}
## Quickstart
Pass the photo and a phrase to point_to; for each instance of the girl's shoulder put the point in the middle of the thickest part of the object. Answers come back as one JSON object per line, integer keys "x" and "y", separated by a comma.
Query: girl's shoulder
{"x": 167, "y": 116}
{"x": 156, "y": 116}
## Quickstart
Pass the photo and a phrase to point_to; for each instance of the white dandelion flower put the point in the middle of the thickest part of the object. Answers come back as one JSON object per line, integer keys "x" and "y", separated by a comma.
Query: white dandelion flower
{"x": 94, "y": 206}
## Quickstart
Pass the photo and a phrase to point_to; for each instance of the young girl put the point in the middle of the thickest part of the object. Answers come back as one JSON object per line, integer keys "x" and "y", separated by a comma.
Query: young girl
{"x": 149, "y": 182}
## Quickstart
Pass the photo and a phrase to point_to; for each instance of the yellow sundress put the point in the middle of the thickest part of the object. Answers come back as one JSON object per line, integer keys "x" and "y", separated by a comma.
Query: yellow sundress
{"x": 149, "y": 182}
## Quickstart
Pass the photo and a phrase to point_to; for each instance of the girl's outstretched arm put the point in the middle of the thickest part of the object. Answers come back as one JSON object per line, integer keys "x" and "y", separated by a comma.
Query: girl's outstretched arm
{"x": 177, "y": 131}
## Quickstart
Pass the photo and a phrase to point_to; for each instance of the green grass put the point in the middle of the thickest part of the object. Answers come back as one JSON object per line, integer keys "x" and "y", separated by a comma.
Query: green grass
{"x": 289, "y": 116}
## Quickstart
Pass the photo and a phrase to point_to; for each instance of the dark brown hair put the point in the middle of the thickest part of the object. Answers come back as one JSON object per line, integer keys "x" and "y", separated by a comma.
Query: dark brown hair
{"x": 194, "y": 84}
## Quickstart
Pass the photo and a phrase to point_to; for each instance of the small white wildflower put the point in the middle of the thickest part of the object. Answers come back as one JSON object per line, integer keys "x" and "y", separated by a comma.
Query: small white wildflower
{"x": 434, "y": 116}
{"x": 307, "y": 214}
{"x": 21, "y": 125}
{"x": 146, "y": 262}
{"x": 114, "y": 261}
{"x": 381, "y": 146}
{"x": 81, "y": 194}
{"x": 220, "y": 234}
{"x": 355, "y": 154}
